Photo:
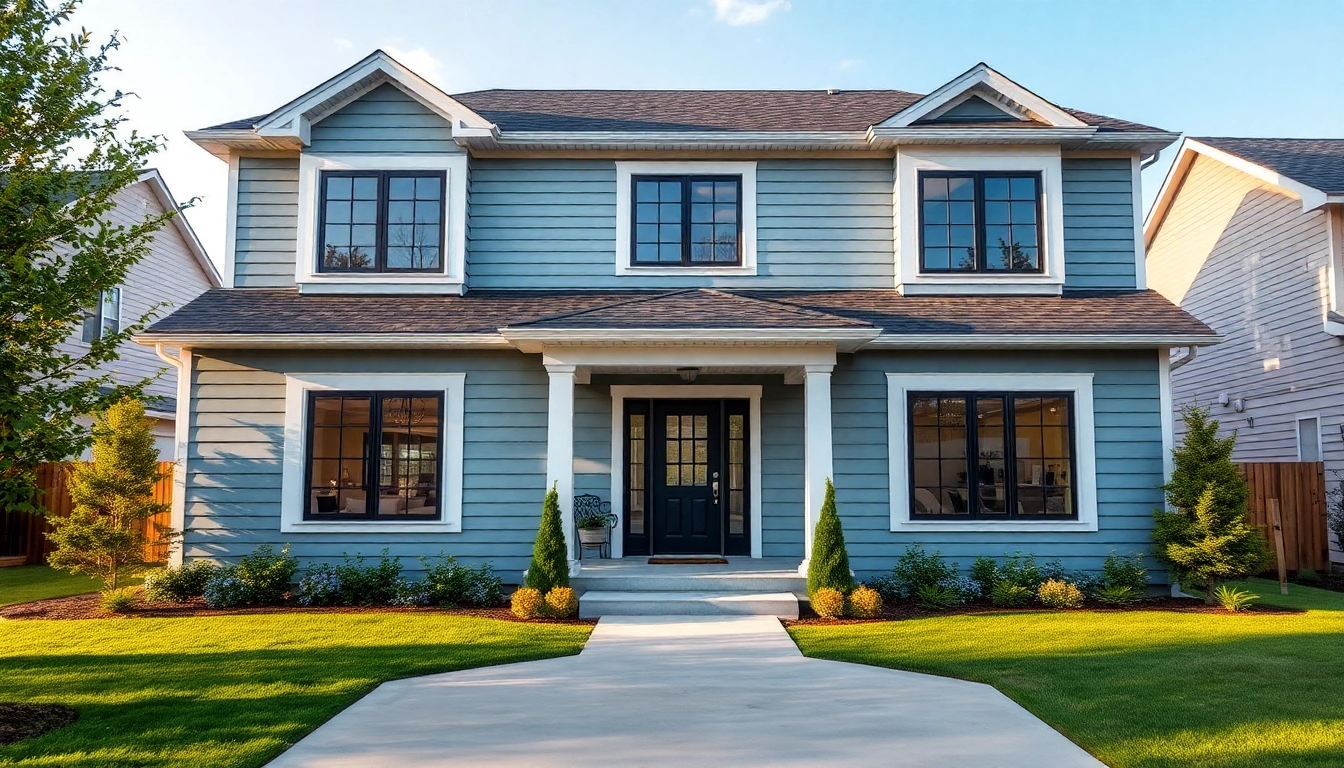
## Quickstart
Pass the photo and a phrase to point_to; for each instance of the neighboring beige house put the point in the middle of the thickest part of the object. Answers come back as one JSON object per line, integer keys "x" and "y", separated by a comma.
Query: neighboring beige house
{"x": 1246, "y": 235}
{"x": 176, "y": 271}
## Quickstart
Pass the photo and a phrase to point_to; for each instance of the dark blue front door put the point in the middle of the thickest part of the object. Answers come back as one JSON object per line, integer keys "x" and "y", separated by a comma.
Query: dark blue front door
{"x": 687, "y": 464}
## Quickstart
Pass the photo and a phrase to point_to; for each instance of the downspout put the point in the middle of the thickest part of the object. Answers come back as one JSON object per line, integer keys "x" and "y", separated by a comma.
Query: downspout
{"x": 177, "y": 521}
{"x": 1191, "y": 352}
{"x": 1144, "y": 164}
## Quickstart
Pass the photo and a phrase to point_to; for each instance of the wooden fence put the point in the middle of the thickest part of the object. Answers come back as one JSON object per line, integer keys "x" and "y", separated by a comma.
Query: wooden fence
{"x": 25, "y": 534}
{"x": 1299, "y": 488}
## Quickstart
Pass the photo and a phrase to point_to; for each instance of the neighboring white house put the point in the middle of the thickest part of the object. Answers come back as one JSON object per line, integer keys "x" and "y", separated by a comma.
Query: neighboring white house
{"x": 176, "y": 271}
{"x": 1246, "y": 235}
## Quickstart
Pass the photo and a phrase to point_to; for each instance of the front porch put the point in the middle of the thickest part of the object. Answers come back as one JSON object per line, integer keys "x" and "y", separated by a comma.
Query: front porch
{"x": 742, "y": 586}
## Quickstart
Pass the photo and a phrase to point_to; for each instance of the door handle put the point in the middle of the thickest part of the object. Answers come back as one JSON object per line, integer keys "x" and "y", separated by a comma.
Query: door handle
{"x": 715, "y": 486}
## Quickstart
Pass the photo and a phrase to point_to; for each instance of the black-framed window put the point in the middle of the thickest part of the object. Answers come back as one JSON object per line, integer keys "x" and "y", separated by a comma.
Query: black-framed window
{"x": 381, "y": 221}
{"x": 374, "y": 456}
{"x": 995, "y": 455}
{"x": 693, "y": 221}
{"x": 981, "y": 221}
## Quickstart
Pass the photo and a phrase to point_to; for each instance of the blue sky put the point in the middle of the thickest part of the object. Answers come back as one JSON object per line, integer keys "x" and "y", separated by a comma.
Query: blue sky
{"x": 1230, "y": 68}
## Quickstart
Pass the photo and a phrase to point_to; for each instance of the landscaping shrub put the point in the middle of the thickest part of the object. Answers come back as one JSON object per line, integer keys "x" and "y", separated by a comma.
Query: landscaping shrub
{"x": 1207, "y": 541}
{"x": 1021, "y": 570}
{"x": 1007, "y": 594}
{"x": 369, "y": 585}
{"x": 914, "y": 569}
{"x": 1121, "y": 571}
{"x": 412, "y": 594}
{"x": 178, "y": 585}
{"x": 829, "y": 603}
{"x": 1054, "y": 593}
{"x": 453, "y": 584}
{"x": 526, "y": 603}
{"x": 1089, "y": 582}
{"x": 225, "y": 589}
{"x": 561, "y": 602}
{"x": 550, "y": 558}
{"x": 937, "y": 597}
{"x": 865, "y": 602}
{"x": 266, "y": 574}
{"x": 1307, "y": 576}
{"x": 828, "y": 566}
{"x": 1234, "y": 599}
{"x": 1116, "y": 594}
{"x": 985, "y": 572}
{"x": 120, "y": 600}
{"x": 320, "y": 586}
{"x": 1334, "y": 509}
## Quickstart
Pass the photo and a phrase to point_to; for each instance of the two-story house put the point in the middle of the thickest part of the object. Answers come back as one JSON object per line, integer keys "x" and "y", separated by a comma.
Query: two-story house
{"x": 697, "y": 305}
{"x": 1246, "y": 234}
{"x": 175, "y": 271}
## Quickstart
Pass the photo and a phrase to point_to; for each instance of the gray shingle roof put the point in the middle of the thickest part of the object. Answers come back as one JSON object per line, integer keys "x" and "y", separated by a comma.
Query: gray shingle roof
{"x": 285, "y": 311}
{"x": 1317, "y": 163}
{"x": 597, "y": 110}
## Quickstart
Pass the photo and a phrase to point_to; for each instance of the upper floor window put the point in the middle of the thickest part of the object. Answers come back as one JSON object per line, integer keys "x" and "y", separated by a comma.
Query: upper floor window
{"x": 980, "y": 222}
{"x": 686, "y": 220}
{"x": 381, "y": 221}
{"x": 103, "y": 319}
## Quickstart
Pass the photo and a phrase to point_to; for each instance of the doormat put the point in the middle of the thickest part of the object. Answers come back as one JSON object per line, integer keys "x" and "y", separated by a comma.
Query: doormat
{"x": 687, "y": 561}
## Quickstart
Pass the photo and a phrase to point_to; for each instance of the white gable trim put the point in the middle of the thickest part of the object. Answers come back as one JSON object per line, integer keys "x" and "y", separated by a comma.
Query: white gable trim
{"x": 295, "y": 119}
{"x": 993, "y": 98}
{"x": 1311, "y": 197}
{"x": 986, "y": 81}
{"x": 159, "y": 187}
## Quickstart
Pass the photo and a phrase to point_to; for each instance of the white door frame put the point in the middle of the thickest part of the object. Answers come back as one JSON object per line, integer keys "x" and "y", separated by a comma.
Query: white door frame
{"x": 620, "y": 393}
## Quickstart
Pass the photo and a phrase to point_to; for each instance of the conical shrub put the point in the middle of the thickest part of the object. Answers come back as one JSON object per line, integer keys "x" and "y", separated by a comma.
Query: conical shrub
{"x": 829, "y": 564}
{"x": 550, "y": 558}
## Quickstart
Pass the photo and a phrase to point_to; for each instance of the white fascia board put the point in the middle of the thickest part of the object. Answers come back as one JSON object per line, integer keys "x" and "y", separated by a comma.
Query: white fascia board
{"x": 985, "y": 77}
{"x": 706, "y": 356}
{"x": 1312, "y": 198}
{"x": 882, "y": 137}
{"x": 154, "y": 179}
{"x": 330, "y": 341}
{"x": 221, "y": 143}
{"x": 533, "y": 340}
{"x": 1030, "y": 341}
{"x": 292, "y": 119}
{"x": 671, "y": 140}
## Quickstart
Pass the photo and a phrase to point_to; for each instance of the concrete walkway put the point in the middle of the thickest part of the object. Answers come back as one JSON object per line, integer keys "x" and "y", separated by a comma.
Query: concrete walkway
{"x": 671, "y": 691}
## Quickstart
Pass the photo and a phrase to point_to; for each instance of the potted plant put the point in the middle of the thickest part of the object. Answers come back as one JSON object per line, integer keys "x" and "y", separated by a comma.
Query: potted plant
{"x": 594, "y": 526}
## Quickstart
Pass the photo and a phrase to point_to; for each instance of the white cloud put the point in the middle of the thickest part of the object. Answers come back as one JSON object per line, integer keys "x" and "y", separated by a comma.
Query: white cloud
{"x": 420, "y": 61}
{"x": 342, "y": 44}
{"x": 844, "y": 64}
{"x": 739, "y": 13}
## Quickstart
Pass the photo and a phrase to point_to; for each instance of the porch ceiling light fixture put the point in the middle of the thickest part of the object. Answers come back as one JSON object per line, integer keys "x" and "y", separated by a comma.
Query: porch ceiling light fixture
{"x": 688, "y": 374}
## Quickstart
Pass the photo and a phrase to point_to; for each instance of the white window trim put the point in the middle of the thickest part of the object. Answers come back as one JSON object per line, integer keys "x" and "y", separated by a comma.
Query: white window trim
{"x": 297, "y": 387}
{"x": 624, "y": 172}
{"x": 1044, "y": 160}
{"x": 454, "y": 217}
{"x": 1297, "y": 435}
{"x": 899, "y": 385}
{"x": 619, "y": 394}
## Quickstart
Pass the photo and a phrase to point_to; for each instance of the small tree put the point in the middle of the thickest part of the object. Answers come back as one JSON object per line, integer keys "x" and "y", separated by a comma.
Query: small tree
{"x": 1206, "y": 540}
{"x": 550, "y": 558}
{"x": 1334, "y": 510}
{"x": 113, "y": 496}
{"x": 829, "y": 564}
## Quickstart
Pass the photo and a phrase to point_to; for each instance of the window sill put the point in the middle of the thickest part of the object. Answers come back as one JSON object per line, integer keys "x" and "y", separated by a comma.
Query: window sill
{"x": 381, "y": 283}
{"x": 736, "y": 270}
{"x": 990, "y": 526}
{"x": 1022, "y": 285}
{"x": 368, "y": 526}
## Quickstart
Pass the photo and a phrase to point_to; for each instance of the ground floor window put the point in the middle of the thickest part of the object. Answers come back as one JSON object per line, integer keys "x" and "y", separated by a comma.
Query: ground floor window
{"x": 991, "y": 455}
{"x": 374, "y": 455}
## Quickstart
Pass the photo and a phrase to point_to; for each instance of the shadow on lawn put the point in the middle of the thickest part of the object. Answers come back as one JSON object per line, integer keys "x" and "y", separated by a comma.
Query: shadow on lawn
{"x": 221, "y": 708}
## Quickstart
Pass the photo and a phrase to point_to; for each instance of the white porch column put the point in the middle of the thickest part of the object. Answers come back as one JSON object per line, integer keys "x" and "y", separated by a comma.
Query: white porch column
{"x": 817, "y": 463}
{"x": 560, "y": 450}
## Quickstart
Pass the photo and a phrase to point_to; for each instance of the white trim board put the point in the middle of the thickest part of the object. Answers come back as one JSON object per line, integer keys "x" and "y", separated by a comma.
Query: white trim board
{"x": 624, "y": 172}
{"x": 297, "y": 387}
{"x": 1085, "y": 463}
{"x": 1044, "y": 160}
{"x": 454, "y": 218}
{"x": 620, "y": 393}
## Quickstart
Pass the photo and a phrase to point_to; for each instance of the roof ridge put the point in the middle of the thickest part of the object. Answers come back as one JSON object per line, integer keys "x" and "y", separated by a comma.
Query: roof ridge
{"x": 619, "y": 303}
{"x": 808, "y": 311}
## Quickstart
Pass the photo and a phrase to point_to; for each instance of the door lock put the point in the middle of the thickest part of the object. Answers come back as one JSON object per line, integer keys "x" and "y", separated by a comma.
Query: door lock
{"x": 715, "y": 486}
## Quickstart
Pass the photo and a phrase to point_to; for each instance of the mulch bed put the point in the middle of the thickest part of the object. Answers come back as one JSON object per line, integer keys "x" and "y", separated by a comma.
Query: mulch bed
{"x": 901, "y": 610}
{"x": 24, "y": 721}
{"x": 87, "y": 607}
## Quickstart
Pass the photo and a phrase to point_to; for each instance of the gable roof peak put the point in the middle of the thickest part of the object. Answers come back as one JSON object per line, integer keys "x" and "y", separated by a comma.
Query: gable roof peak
{"x": 985, "y": 81}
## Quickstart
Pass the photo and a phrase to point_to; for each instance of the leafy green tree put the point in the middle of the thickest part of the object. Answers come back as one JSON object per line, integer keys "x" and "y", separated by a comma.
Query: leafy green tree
{"x": 829, "y": 564}
{"x": 1206, "y": 540}
{"x": 550, "y": 558}
{"x": 113, "y": 496}
{"x": 65, "y": 153}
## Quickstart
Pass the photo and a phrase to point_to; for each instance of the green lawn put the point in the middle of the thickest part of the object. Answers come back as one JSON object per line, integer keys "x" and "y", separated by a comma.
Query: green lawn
{"x": 25, "y": 583}
{"x": 1142, "y": 689}
{"x": 232, "y": 690}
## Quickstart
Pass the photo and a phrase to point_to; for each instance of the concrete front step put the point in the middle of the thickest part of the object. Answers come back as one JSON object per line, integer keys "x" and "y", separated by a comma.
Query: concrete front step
{"x": 594, "y": 604}
{"x": 672, "y": 581}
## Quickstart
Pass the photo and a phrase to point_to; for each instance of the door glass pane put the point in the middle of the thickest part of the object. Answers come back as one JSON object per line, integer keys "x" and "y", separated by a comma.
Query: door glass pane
{"x": 736, "y": 474}
{"x": 636, "y": 506}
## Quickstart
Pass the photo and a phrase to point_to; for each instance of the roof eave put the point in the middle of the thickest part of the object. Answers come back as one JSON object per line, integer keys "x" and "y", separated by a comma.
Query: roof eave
{"x": 195, "y": 340}
{"x": 1041, "y": 341}
{"x": 222, "y": 143}
{"x": 534, "y": 339}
